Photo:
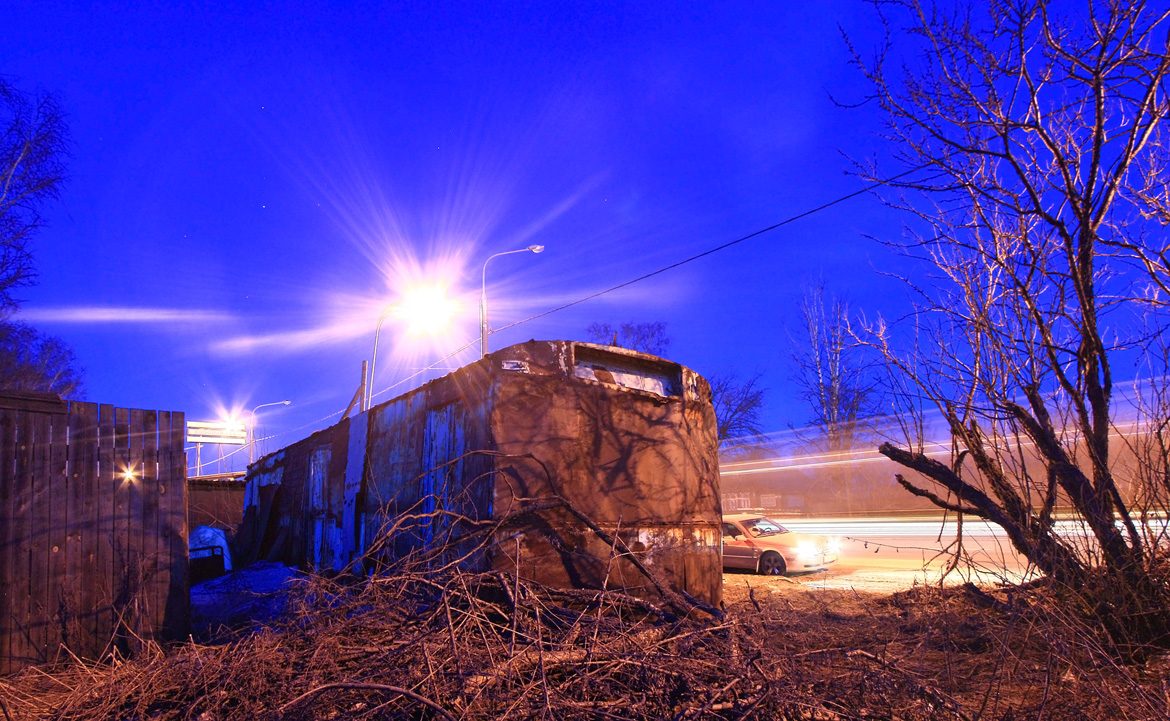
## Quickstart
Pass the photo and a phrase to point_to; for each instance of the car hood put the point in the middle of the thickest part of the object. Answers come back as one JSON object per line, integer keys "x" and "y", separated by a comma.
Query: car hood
{"x": 789, "y": 540}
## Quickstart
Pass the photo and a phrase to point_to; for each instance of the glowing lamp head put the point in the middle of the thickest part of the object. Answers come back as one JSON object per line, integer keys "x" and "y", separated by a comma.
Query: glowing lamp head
{"x": 536, "y": 248}
{"x": 426, "y": 309}
{"x": 128, "y": 474}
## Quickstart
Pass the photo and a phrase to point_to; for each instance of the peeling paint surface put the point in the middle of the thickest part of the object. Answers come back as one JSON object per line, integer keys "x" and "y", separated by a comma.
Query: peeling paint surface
{"x": 255, "y": 482}
{"x": 322, "y": 550}
{"x": 355, "y": 463}
{"x": 627, "y": 439}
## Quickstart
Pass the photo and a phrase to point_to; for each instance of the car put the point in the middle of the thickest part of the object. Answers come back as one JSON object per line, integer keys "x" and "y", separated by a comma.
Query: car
{"x": 758, "y": 543}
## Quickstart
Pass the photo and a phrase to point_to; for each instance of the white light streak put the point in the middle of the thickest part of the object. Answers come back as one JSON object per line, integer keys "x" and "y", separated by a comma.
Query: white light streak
{"x": 821, "y": 460}
{"x": 115, "y": 314}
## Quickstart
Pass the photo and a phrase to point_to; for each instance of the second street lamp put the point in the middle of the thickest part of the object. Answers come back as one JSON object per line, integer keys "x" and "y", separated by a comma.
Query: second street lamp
{"x": 483, "y": 310}
{"x": 252, "y": 428}
{"x": 374, "y": 360}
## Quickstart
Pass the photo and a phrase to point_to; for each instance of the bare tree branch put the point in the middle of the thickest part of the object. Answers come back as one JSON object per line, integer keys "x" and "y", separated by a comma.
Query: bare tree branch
{"x": 33, "y": 146}
{"x": 1048, "y": 133}
{"x": 738, "y": 404}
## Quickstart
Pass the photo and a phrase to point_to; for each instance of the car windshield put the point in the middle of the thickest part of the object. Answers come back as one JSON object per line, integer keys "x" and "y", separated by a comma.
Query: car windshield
{"x": 763, "y": 527}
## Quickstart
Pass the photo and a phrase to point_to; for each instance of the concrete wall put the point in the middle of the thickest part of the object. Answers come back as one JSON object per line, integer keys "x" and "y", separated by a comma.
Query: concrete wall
{"x": 627, "y": 439}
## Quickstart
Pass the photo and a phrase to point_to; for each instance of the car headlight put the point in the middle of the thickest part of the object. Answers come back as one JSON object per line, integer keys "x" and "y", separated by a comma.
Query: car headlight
{"x": 806, "y": 550}
{"x": 834, "y": 545}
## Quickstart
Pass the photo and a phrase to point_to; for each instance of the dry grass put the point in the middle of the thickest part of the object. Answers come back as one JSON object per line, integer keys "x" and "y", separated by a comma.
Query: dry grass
{"x": 461, "y": 646}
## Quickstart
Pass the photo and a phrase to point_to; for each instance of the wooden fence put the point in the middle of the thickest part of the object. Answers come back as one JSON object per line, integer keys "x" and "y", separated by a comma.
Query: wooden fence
{"x": 93, "y": 537}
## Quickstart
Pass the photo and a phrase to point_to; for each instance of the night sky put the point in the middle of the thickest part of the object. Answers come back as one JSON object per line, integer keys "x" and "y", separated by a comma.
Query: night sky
{"x": 251, "y": 184}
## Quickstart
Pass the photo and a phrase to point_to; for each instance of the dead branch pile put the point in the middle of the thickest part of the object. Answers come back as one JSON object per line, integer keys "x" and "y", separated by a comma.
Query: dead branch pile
{"x": 486, "y": 646}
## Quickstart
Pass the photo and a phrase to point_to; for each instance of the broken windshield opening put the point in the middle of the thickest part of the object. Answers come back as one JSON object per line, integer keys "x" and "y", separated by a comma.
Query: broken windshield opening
{"x": 764, "y": 527}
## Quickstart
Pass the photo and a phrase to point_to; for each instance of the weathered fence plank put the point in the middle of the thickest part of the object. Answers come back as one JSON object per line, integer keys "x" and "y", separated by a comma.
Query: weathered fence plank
{"x": 150, "y": 527}
{"x": 122, "y": 562}
{"x": 135, "y": 569}
{"x": 40, "y": 609}
{"x": 174, "y": 499}
{"x": 8, "y": 447}
{"x": 22, "y": 532}
{"x": 92, "y": 529}
{"x": 107, "y": 512}
{"x": 82, "y": 557}
{"x": 57, "y": 608}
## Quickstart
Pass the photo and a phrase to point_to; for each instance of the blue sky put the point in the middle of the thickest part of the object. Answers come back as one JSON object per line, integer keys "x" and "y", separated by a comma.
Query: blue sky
{"x": 252, "y": 182}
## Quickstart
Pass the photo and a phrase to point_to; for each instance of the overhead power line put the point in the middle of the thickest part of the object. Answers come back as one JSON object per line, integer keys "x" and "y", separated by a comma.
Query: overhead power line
{"x": 716, "y": 249}
{"x": 639, "y": 279}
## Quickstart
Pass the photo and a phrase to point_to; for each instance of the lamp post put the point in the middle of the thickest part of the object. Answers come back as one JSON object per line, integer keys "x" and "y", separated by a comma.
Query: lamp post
{"x": 483, "y": 310}
{"x": 252, "y": 428}
{"x": 373, "y": 361}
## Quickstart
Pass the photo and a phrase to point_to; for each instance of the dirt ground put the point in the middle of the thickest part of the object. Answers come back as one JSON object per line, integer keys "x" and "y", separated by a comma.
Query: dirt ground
{"x": 987, "y": 651}
{"x": 420, "y": 646}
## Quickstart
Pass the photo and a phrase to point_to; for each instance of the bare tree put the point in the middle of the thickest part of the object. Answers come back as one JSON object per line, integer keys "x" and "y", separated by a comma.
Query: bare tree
{"x": 648, "y": 338}
{"x": 838, "y": 383}
{"x": 32, "y": 361}
{"x": 32, "y": 169}
{"x": 1040, "y": 140}
{"x": 738, "y": 404}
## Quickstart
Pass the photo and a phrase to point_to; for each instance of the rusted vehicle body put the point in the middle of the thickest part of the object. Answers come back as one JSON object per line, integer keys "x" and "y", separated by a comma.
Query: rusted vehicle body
{"x": 573, "y": 456}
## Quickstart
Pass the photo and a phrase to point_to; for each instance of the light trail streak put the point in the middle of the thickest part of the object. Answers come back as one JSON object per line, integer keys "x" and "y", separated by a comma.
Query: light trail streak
{"x": 862, "y": 529}
{"x": 114, "y": 314}
{"x": 817, "y": 464}
{"x": 1126, "y": 429}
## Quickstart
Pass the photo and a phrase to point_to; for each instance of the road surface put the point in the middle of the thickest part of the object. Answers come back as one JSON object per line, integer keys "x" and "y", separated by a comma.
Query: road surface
{"x": 892, "y": 553}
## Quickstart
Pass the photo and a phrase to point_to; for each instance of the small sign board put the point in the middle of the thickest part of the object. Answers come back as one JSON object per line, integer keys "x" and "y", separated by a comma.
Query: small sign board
{"x": 224, "y": 432}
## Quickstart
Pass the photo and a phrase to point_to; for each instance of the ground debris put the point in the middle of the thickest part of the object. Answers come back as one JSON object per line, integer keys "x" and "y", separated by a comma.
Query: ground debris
{"x": 453, "y": 645}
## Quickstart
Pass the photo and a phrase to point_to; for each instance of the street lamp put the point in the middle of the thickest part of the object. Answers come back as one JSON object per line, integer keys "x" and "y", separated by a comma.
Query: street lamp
{"x": 483, "y": 311}
{"x": 426, "y": 308}
{"x": 373, "y": 361}
{"x": 252, "y": 428}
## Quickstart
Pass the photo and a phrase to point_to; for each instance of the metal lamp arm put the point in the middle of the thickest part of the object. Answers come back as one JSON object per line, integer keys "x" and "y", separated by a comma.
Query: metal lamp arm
{"x": 484, "y": 329}
{"x": 374, "y": 360}
{"x": 252, "y": 428}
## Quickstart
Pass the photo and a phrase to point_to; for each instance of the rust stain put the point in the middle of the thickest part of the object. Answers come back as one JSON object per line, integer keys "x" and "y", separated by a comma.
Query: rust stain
{"x": 626, "y": 439}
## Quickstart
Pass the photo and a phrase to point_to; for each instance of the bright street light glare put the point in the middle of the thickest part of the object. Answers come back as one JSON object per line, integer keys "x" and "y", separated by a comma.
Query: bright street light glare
{"x": 232, "y": 421}
{"x": 426, "y": 309}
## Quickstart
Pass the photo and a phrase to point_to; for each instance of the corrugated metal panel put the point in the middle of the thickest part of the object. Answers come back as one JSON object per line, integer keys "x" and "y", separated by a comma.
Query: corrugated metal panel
{"x": 355, "y": 464}
{"x": 394, "y": 463}
{"x": 632, "y": 448}
{"x": 443, "y": 442}
{"x": 321, "y": 550}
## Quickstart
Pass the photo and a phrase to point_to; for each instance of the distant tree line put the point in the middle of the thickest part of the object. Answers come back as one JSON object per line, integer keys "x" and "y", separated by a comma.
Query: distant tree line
{"x": 33, "y": 150}
{"x": 838, "y": 379}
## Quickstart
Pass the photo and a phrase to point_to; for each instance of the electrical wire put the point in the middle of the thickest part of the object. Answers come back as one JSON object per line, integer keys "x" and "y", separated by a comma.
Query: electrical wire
{"x": 716, "y": 249}
{"x": 598, "y": 294}
{"x": 381, "y": 392}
